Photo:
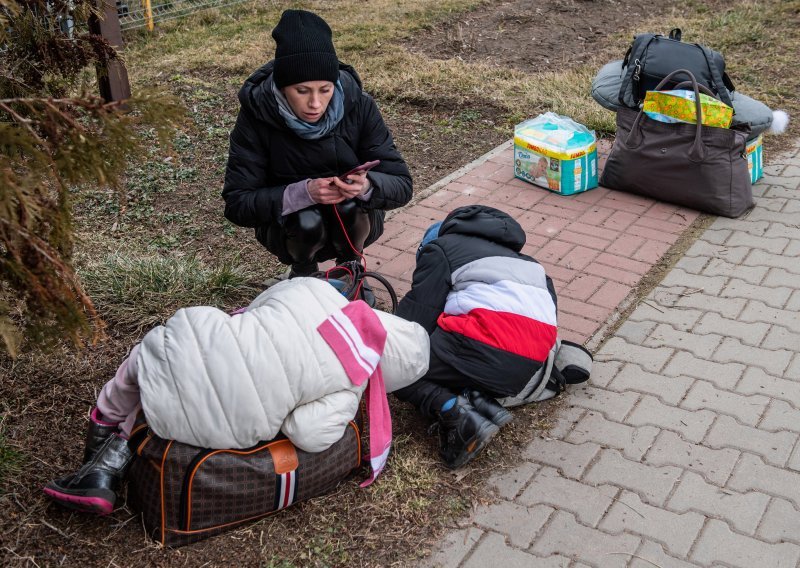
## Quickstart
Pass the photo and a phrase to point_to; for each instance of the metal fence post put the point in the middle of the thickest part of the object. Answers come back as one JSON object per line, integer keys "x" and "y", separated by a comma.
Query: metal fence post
{"x": 113, "y": 79}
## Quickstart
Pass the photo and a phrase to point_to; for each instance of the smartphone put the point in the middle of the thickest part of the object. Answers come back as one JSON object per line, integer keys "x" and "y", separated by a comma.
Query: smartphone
{"x": 359, "y": 169}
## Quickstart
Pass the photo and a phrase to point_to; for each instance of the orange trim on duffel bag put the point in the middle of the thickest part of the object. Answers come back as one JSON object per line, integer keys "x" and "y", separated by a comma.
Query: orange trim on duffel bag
{"x": 163, "y": 504}
{"x": 284, "y": 456}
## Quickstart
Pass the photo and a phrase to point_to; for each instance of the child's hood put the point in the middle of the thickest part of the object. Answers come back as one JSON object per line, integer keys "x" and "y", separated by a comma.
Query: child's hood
{"x": 487, "y": 223}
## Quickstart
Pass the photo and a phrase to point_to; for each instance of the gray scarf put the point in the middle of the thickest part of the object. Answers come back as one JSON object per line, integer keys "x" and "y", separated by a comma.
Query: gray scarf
{"x": 333, "y": 114}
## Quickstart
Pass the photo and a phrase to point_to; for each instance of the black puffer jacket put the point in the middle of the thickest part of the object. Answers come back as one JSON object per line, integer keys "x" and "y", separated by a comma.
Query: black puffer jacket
{"x": 265, "y": 155}
{"x": 491, "y": 310}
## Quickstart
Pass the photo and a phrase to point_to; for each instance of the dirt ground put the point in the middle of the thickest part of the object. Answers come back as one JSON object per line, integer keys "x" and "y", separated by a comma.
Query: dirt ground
{"x": 45, "y": 397}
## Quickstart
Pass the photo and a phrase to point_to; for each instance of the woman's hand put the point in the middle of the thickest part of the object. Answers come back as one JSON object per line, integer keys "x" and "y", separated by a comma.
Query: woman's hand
{"x": 323, "y": 190}
{"x": 357, "y": 184}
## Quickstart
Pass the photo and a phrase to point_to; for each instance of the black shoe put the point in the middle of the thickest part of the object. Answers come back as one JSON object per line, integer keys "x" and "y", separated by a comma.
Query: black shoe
{"x": 97, "y": 434}
{"x": 93, "y": 488}
{"x": 367, "y": 294}
{"x": 489, "y": 407}
{"x": 463, "y": 433}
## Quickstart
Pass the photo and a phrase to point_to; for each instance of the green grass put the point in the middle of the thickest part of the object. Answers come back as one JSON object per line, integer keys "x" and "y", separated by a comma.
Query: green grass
{"x": 10, "y": 459}
{"x": 138, "y": 292}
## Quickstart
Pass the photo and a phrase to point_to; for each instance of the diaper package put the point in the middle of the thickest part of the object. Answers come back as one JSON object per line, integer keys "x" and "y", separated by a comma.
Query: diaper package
{"x": 679, "y": 106}
{"x": 556, "y": 153}
{"x": 755, "y": 158}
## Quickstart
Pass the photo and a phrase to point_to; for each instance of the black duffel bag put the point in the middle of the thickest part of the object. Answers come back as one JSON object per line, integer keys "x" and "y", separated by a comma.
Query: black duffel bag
{"x": 652, "y": 57}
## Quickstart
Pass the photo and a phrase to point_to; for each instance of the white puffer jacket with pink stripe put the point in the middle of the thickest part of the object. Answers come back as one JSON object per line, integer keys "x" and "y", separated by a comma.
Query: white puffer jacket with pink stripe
{"x": 219, "y": 381}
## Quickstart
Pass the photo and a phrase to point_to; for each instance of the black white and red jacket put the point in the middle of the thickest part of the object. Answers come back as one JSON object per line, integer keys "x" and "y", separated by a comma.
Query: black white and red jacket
{"x": 491, "y": 310}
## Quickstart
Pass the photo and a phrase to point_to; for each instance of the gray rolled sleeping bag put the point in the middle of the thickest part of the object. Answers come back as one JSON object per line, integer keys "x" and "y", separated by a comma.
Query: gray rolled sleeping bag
{"x": 607, "y": 83}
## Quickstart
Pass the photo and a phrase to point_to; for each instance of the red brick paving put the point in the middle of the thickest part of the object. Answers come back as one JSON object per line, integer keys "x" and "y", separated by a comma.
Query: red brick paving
{"x": 595, "y": 245}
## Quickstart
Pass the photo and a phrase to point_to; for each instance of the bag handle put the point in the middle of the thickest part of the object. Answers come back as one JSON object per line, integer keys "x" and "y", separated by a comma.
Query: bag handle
{"x": 698, "y": 151}
{"x": 675, "y": 33}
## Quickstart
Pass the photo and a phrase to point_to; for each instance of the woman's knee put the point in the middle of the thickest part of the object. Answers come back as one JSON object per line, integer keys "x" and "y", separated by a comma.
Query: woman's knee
{"x": 306, "y": 226}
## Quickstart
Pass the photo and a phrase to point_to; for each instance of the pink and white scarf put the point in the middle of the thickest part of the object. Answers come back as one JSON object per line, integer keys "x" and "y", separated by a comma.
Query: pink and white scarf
{"x": 357, "y": 337}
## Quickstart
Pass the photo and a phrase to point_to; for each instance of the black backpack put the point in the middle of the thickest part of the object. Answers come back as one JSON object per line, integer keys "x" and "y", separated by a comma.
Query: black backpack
{"x": 652, "y": 57}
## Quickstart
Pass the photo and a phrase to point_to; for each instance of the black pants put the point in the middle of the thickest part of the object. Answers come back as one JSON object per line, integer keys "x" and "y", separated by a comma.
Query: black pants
{"x": 315, "y": 234}
{"x": 441, "y": 383}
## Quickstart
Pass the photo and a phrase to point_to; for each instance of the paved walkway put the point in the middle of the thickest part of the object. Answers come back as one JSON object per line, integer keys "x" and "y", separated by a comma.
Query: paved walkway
{"x": 683, "y": 449}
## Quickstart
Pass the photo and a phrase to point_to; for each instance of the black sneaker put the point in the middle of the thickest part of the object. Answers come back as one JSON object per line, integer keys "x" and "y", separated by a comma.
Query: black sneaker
{"x": 463, "y": 433}
{"x": 93, "y": 488}
{"x": 489, "y": 407}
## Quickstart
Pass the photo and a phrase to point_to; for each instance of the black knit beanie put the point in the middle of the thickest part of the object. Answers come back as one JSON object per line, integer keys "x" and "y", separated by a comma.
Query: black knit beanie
{"x": 304, "y": 49}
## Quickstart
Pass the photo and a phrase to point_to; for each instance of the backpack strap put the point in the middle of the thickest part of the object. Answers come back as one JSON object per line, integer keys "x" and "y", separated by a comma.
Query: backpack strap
{"x": 719, "y": 82}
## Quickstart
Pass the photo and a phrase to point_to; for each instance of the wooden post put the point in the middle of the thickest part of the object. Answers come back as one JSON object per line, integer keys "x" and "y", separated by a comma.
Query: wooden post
{"x": 113, "y": 79}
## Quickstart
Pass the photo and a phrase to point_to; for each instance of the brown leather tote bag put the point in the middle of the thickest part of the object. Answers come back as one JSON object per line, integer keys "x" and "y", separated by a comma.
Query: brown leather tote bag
{"x": 695, "y": 166}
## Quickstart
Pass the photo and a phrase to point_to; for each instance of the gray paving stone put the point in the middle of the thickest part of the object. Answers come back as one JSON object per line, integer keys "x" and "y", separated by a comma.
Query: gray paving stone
{"x": 615, "y": 406}
{"x": 604, "y": 371}
{"x": 773, "y": 296}
{"x": 774, "y": 447}
{"x": 746, "y": 409}
{"x": 710, "y": 283}
{"x": 746, "y": 225}
{"x": 649, "y": 358}
{"x": 793, "y": 372}
{"x": 774, "y": 245}
{"x": 749, "y": 333}
{"x": 508, "y": 483}
{"x": 718, "y": 545}
{"x": 742, "y": 511}
{"x": 631, "y": 441}
{"x": 634, "y": 332}
{"x": 780, "y": 523}
{"x": 793, "y": 250}
{"x": 520, "y": 524}
{"x": 728, "y": 252}
{"x": 691, "y": 425}
{"x": 752, "y": 474}
{"x": 724, "y": 375}
{"x": 779, "y": 278}
{"x": 651, "y": 482}
{"x": 756, "y": 381}
{"x": 714, "y": 465}
{"x": 493, "y": 550}
{"x": 718, "y": 236}
{"x": 587, "y": 502}
{"x": 730, "y": 309}
{"x": 731, "y": 349}
{"x": 569, "y": 459}
{"x": 693, "y": 265}
{"x": 456, "y": 545}
{"x": 669, "y": 389}
{"x": 721, "y": 270}
{"x": 652, "y": 554}
{"x": 780, "y": 416}
{"x": 682, "y": 319}
{"x": 675, "y": 531}
{"x": 760, "y": 259}
{"x": 565, "y": 536}
{"x": 793, "y": 304}
{"x": 781, "y": 338}
{"x": 783, "y": 231}
{"x": 667, "y": 336}
{"x": 759, "y": 311}
{"x": 763, "y": 214}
